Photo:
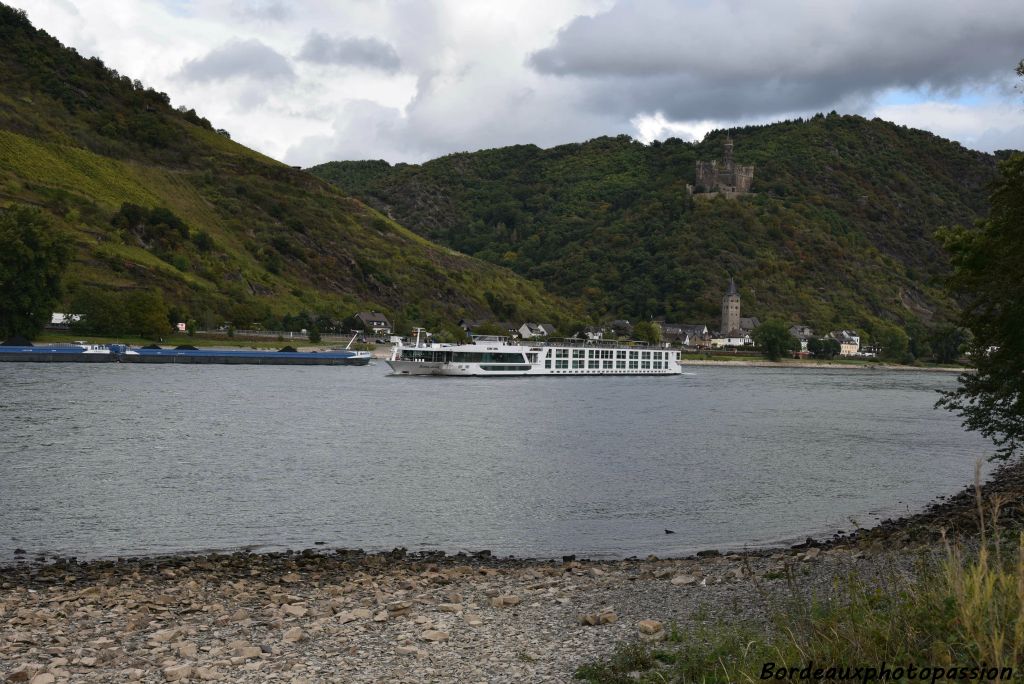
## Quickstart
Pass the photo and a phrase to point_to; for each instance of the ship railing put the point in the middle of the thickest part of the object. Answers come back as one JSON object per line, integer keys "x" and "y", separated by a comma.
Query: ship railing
{"x": 571, "y": 342}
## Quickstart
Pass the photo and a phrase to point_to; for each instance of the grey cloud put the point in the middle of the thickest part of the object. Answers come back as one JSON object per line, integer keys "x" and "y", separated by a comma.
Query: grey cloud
{"x": 370, "y": 53}
{"x": 235, "y": 58}
{"x": 261, "y": 10}
{"x": 733, "y": 59}
{"x": 996, "y": 139}
{"x": 435, "y": 125}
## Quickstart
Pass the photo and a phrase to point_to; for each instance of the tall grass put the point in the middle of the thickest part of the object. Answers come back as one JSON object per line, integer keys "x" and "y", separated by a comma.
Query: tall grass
{"x": 963, "y": 607}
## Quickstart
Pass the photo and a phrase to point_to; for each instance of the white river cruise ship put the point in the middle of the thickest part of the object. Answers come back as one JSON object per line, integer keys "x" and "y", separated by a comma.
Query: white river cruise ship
{"x": 497, "y": 356}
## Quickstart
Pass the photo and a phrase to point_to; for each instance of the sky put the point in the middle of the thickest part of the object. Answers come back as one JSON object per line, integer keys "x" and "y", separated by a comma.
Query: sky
{"x": 310, "y": 81}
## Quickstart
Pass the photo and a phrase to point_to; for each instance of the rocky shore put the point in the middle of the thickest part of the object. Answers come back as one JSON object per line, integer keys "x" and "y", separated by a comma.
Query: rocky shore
{"x": 786, "y": 363}
{"x": 348, "y": 616}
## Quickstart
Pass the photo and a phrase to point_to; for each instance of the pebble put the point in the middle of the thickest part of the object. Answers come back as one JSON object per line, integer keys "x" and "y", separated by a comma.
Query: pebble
{"x": 649, "y": 626}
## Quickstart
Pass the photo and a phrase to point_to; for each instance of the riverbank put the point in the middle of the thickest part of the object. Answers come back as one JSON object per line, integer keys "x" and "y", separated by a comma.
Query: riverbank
{"x": 348, "y": 616}
{"x": 836, "y": 365}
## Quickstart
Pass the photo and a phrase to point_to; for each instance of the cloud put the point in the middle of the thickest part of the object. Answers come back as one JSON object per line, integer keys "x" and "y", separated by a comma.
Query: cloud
{"x": 425, "y": 79}
{"x": 261, "y": 10}
{"x": 987, "y": 125}
{"x": 729, "y": 59}
{"x": 370, "y": 53}
{"x": 245, "y": 58}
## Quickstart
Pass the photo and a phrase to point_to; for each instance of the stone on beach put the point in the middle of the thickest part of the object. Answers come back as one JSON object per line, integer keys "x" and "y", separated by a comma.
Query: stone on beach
{"x": 684, "y": 580}
{"x": 649, "y": 626}
{"x": 434, "y": 635}
{"x": 176, "y": 673}
{"x": 505, "y": 600}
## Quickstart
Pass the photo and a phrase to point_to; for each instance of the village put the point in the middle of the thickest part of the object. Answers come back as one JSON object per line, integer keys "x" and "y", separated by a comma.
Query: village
{"x": 734, "y": 333}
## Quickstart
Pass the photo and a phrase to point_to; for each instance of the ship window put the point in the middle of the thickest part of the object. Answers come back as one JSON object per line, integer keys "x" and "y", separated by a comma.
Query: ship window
{"x": 634, "y": 355}
{"x": 606, "y": 364}
{"x": 561, "y": 353}
{"x": 579, "y": 353}
{"x": 561, "y": 363}
{"x": 620, "y": 364}
{"x": 632, "y": 365}
{"x": 591, "y": 353}
{"x": 592, "y": 363}
{"x": 547, "y": 363}
{"x": 606, "y": 353}
{"x": 645, "y": 364}
{"x": 620, "y": 354}
{"x": 657, "y": 355}
{"x": 504, "y": 368}
{"x": 577, "y": 364}
{"x": 657, "y": 365}
{"x": 645, "y": 355}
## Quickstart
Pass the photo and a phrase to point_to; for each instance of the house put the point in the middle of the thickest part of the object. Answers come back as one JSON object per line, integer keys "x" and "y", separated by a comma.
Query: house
{"x": 749, "y": 323}
{"x": 375, "y": 322}
{"x": 685, "y": 334}
{"x": 849, "y": 341}
{"x": 802, "y": 333}
{"x": 593, "y": 334}
{"x": 63, "y": 321}
{"x": 736, "y": 338}
{"x": 508, "y": 328}
{"x": 501, "y": 328}
{"x": 530, "y": 330}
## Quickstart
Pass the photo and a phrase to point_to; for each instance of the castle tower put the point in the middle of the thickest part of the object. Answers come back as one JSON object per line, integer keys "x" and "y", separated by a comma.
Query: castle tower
{"x": 730, "y": 309}
{"x": 727, "y": 154}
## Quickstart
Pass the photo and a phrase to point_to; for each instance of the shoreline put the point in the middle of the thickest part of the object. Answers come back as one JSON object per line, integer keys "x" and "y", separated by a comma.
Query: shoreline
{"x": 788, "y": 364}
{"x": 311, "y": 616}
{"x": 957, "y": 512}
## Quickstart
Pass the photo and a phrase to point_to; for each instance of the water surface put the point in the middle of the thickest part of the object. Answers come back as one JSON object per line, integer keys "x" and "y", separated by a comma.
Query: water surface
{"x": 108, "y": 459}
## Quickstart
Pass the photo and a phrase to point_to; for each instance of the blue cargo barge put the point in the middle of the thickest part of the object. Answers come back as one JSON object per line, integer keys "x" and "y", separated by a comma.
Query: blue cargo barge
{"x": 121, "y": 353}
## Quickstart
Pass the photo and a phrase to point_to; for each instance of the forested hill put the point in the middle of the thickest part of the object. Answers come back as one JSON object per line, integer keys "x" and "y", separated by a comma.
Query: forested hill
{"x": 838, "y": 233}
{"x": 154, "y": 197}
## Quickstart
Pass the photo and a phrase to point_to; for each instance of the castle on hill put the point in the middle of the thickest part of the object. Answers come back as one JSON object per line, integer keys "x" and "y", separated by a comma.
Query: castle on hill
{"x": 724, "y": 176}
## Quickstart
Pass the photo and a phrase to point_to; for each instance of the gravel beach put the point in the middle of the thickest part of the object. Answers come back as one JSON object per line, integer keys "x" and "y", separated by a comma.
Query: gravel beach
{"x": 347, "y": 616}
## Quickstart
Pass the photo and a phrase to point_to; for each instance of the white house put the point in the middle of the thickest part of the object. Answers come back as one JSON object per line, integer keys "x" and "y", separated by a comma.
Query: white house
{"x": 733, "y": 339}
{"x": 63, "y": 321}
{"x": 530, "y": 330}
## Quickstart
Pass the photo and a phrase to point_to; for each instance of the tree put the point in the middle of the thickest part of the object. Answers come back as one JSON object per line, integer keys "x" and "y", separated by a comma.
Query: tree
{"x": 147, "y": 313}
{"x": 892, "y": 341}
{"x": 824, "y": 348}
{"x": 314, "y": 334}
{"x": 32, "y": 262}
{"x": 948, "y": 342}
{"x": 988, "y": 277}
{"x": 774, "y": 339}
{"x": 645, "y": 331}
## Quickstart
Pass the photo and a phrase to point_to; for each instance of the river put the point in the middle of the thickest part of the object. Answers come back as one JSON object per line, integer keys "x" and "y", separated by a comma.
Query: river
{"x": 101, "y": 460}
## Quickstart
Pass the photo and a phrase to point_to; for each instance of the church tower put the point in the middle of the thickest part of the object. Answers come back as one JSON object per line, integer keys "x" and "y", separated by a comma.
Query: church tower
{"x": 730, "y": 309}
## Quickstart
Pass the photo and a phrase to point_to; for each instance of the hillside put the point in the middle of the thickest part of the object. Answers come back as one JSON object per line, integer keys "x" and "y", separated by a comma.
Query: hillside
{"x": 222, "y": 231}
{"x": 838, "y": 232}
